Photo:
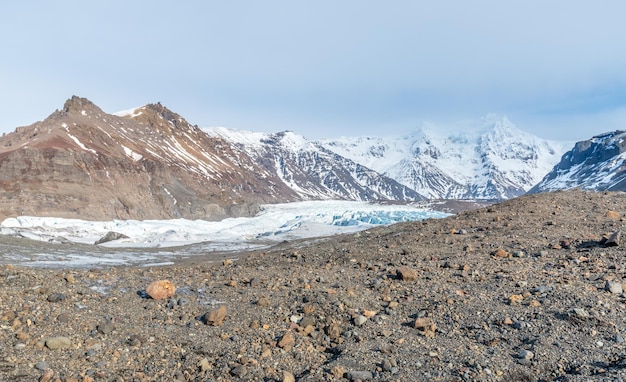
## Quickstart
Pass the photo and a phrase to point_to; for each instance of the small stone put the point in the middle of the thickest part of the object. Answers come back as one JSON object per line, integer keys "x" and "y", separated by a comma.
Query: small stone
{"x": 160, "y": 289}
{"x": 56, "y": 297}
{"x": 42, "y": 365}
{"x": 135, "y": 340}
{"x": 288, "y": 377}
{"x": 70, "y": 278}
{"x": 612, "y": 214}
{"x": 515, "y": 298}
{"x": 307, "y": 321}
{"x": 361, "y": 375}
{"x": 46, "y": 376}
{"x": 508, "y": 321}
{"x": 63, "y": 317}
{"x": 426, "y": 326}
{"x": 204, "y": 364}
{"x": 369, "y": 313}
{"x": 519, "y": 254}
{"x": 360, "y": 320}
{"x": 338, "y": 371}
{"x": 501, "y": 253}
{"x": 287, "y": 341}
{"x": 239, "y": 371}
{"x": 613, "y": 287}
{"x": 215, "y": 317}
{"x": 406, "y": 274}
{"x": 264, "y": 301}
{"x": 525, "y": 354}
{"x": 105, "y": 328}
{"x": 59, "y": 342}
{"x": 613, "y": 240}
{"x": 580, "y": 312}
{"x": 386, "y": 365}
{"x": 619, "y": 338}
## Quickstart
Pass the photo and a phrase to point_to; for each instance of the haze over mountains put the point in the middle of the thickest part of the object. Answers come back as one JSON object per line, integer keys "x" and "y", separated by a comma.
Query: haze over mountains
{"x": 150, "y": 163}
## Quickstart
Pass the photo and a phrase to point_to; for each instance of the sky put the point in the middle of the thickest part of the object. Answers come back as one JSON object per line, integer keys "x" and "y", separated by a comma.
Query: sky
{"x": 323, "y": 68}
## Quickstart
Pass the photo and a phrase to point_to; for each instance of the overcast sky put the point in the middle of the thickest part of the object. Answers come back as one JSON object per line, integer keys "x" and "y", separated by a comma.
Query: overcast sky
{"x": 322, "y": 68}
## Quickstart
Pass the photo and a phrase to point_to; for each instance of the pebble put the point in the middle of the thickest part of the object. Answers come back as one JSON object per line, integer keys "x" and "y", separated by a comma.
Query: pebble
{"x": 614, "y": 287}
{"x": 59, "y": 342}
{"x": 287, "y": 341}
{"x": 406, "y": 274}
{"x": 46, "y": 376}
{"x": 525, "y": 354}
{"x": 288, "y": 377}
{"x": 619, "y": 338}
{"x": 204, "y": 364}
{"x": 239, "y": 371}
{"x": 105, "y": 328}
{"x": 215, "y": 317}
{"x": 360, "y": 320}
{"x": 42, "y": 365}
{"x": 56, "y": 297}
{"x": 580, "y": 312}
{"x": 359, "y": 375}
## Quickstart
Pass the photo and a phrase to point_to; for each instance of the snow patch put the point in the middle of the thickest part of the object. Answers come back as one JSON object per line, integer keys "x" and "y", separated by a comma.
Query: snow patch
{"x": 131, "y": 154}
{"x": 81, "y": 145}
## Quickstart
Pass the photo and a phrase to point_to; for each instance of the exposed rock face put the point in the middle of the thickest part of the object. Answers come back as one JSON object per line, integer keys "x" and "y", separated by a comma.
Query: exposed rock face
{"x": 594, "y": 164}
{"x": 83, "y": 163}
{"x": 311, "y": 170}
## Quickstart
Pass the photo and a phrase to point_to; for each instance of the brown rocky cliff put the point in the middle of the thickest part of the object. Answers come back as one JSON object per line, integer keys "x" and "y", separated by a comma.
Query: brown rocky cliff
{"x": 83, "y": 163}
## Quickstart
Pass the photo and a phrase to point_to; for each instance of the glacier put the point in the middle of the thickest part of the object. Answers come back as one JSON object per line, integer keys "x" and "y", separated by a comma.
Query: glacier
{"x": 71, "y": 242}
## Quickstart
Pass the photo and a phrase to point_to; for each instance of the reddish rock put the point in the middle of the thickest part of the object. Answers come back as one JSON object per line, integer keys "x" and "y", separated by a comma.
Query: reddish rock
{"x": 287, "y": 341}
{"x": 161, "y": 289}
{"x": 501, "y": 253}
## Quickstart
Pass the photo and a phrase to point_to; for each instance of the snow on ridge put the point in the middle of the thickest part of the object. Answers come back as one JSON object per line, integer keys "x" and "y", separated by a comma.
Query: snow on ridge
{"x": 457, "y": 159}
{"x": 130, "y": 113}
{"x": 246, "y": 137}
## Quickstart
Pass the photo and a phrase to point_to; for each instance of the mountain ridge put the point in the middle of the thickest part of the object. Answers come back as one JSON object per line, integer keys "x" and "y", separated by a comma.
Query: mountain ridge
{"x": 494, "y": 160}
{"x": 597, "y": 164}
{"x": 150, "y": 163}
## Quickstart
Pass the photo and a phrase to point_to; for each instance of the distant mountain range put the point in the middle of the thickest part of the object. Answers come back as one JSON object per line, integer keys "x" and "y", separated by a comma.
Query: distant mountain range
{"x": 494, "y": 160}
{"x": 150, "y": 163}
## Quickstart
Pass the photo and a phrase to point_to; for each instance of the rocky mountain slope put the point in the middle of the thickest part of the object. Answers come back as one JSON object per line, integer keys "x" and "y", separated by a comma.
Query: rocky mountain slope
{"x": 531, "y": 289}
{"x": 150, "y": 163}
{"x": 495, "y": 160}
{"x": 82, "y": 162}
{"x": 594, "y": 164}
{"x": 311, "y": 170}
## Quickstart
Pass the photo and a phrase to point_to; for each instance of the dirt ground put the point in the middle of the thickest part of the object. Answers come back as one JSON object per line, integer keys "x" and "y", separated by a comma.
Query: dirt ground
{"x": 526, "y": 290}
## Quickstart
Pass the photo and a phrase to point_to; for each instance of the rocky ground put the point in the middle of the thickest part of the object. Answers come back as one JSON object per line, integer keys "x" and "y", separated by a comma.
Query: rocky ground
{"x": 526, "y": 290}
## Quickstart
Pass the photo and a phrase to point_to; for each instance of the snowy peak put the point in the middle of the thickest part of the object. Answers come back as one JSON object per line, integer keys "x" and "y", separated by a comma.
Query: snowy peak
{"x": 311, "y": 170}
{"x": 594, "y": 164}
{"x": 489, "y": 160}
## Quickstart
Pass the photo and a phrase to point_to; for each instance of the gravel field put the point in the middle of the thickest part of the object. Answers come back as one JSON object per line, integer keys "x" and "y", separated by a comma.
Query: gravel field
{"x": 526, "y": 290}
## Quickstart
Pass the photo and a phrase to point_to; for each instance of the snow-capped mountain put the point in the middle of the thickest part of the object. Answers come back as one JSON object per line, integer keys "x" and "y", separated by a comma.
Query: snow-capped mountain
{"x": 494, "y": 160}
{"x": 150, "y": 163}
{"x": 312, "y": 171}
{"x": 594, "y": 164}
